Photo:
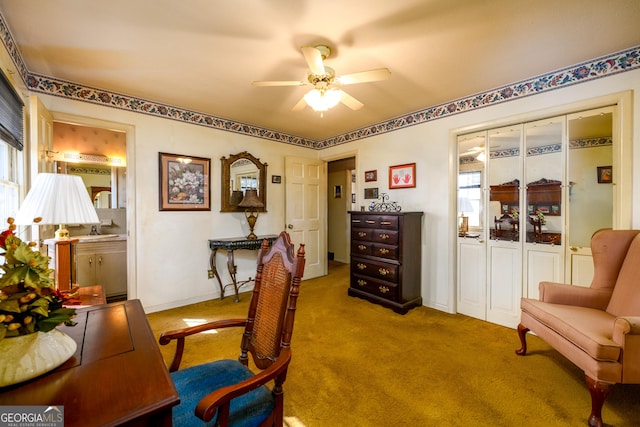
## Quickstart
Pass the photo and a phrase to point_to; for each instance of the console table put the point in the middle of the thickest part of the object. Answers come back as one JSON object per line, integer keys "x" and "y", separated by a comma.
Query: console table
{"x": 116, "y": 377}
{"x": 230, "y": 245}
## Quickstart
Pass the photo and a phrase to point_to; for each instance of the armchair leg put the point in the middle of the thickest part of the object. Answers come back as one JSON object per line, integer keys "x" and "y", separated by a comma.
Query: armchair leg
{"x": 599, "y": 392}
{"x": 522, "y": 333}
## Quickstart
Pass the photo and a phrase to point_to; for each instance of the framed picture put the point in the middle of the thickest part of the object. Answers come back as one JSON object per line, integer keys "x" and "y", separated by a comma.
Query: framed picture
{"x": 353, "y": 197}
{"x": 402, "y": 176}
{"x": 370, "y": 193}
{"x": 370, "y": 176}
{"x": 337, "y": 191}
{"x": 605, "y": 174}
{"x": 184, "y": 183}
{"x": 276, "y": 179}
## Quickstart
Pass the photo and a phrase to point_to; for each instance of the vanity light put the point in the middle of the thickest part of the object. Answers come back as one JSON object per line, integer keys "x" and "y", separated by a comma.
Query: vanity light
{"x": 251, "y": 203}
{"x": 96, "y": 159}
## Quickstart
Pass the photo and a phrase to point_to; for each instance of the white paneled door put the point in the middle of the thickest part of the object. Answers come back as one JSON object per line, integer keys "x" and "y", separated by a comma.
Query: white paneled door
{"x": 305, "y": 210}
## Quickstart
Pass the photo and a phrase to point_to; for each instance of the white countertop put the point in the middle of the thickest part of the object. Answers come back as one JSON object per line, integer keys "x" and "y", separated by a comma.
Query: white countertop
{"x": 95, "y": 238}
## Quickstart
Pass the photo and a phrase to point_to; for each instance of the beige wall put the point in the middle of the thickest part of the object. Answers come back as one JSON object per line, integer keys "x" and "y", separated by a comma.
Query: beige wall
{"x": 172, "y": 254}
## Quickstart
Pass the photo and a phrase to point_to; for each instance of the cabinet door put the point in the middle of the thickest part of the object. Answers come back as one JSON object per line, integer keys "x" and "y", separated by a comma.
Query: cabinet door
{"x": 544, "y": 263}
{"x": 504, "y": 291}
{"x": 85, "y": 269}
{"x": 111, "y": 272}
{"x": 472, "y": 288}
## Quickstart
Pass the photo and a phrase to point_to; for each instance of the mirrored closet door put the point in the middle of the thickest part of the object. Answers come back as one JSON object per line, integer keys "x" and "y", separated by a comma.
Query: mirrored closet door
{"x": 529, "y": 198}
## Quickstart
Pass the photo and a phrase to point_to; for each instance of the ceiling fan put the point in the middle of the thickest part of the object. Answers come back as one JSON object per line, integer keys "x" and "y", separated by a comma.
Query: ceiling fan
{"x": 325, "y": 94}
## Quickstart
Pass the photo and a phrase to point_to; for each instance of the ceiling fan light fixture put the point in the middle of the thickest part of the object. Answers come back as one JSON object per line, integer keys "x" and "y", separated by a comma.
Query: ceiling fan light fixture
{"x": 322, "y": 100}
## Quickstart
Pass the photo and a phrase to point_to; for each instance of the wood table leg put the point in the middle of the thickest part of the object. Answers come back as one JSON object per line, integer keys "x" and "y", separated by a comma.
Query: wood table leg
{"x": 231, "y": 265}
{"x": 212, "y": 266}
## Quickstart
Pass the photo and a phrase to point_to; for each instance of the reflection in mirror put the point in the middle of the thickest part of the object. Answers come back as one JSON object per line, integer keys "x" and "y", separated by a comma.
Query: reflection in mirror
{"x": 101, "y": 197}
{"x": 590, "y": 148}
{"x": 241, "y": 172}
{"x": 96, "y": 178}
{"x": 472, "y": 153}
{"x": 505, "y": 166}
{"x": 544, "y": 179}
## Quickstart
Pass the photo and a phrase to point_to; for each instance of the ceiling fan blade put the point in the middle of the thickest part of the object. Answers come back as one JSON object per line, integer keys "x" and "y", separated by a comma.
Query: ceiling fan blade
{"x": 350, "y": 101}
{"x": 364, "y": 76}
{"x": 314, "y": 59}
{"x": 279, "y": 83}
{"x": 300, "y": 105}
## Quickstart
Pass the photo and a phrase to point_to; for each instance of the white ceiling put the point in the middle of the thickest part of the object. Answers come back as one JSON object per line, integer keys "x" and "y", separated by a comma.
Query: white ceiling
{"x": 202, "y": 55}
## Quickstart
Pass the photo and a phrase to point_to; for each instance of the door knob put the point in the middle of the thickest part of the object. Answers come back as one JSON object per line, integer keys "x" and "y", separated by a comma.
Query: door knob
{"x": 290, "y": 226}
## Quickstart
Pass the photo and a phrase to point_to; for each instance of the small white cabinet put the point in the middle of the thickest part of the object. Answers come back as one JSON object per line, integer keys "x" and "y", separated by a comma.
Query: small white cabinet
{"x": 103, "y": 263}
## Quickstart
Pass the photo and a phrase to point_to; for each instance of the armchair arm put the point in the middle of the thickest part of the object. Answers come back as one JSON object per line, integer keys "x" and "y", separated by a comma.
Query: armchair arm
{"x": 625, "y": 325}
{"x": 181, "y": 334}
{"x": 626, "y": 333}
{"x": 561, "y": 293}
{"x": 221, "y": 398}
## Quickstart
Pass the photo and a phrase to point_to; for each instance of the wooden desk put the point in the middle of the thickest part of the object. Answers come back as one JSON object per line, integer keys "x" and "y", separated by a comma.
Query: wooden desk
{"x": 116, "y": 377}
{"x": 231, "y": 244}
{"x": 87, "y": 296}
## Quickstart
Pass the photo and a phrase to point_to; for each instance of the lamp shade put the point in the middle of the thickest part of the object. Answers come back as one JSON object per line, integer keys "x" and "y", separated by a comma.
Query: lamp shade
{"x": 251, "y": 200}
{"x": 57, "y": 199}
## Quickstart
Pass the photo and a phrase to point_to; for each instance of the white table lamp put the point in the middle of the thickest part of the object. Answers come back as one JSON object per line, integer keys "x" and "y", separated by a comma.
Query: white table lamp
{"x": 59, "y": 200}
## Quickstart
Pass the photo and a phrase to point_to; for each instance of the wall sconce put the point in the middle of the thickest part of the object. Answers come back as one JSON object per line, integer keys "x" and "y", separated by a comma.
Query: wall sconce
{"x": 251, "y": 203}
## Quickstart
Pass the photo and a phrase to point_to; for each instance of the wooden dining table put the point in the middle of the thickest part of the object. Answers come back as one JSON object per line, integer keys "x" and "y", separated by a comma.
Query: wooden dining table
{"x": 117, "y": 375}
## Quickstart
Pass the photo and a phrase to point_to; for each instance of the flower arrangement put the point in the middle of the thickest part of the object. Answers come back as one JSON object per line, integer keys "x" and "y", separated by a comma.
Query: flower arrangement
{"x": 514, "y": 214}
{"x": 540, "y": 216}
{"x": 28, "y": 300}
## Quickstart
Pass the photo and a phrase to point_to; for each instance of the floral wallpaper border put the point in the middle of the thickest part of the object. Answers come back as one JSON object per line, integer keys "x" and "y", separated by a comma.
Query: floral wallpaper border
{"x": 625, "y": 60}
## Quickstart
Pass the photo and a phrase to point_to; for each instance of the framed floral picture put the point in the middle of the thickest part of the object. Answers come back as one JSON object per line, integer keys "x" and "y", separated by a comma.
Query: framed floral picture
{"x": 402, "y": 176}
{"x": 184, "y": 183}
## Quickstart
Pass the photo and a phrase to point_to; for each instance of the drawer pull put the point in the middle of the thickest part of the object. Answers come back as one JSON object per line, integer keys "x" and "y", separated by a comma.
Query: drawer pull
{"x": 362, "y": 233}
{"x": 361, "y": 266}
{"x": 385, "y": 222}
{"x": 383, "y": 289}
{"x": 355, "y": 221}
{"x": 383, "y": 271}
{"x": 368, "y": 221}
{"x": 383, "y": 251}
{"x": 362, "y": 282}
{"x": 384, "y": 236}
{"x": 362, "y": 247}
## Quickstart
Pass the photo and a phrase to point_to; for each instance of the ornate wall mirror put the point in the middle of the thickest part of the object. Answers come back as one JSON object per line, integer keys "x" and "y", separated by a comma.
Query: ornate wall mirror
{"x": 240, "y": 172}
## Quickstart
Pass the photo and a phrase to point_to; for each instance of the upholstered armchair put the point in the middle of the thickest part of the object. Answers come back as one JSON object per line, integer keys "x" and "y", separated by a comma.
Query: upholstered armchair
{"x": 228, "y": 392}
{"x": 596, "y": 328}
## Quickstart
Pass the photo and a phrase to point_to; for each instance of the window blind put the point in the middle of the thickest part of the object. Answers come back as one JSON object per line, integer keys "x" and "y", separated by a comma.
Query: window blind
{"x": 11, "y": 123}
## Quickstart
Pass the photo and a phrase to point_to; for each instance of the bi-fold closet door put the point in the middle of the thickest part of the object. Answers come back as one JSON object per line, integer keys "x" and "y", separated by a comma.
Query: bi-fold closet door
{"x": 516, "y": 188}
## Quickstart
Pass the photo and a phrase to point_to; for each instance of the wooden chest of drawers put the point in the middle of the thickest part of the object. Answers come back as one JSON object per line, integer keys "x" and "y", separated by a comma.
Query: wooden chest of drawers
{"x": 386, "y": 258}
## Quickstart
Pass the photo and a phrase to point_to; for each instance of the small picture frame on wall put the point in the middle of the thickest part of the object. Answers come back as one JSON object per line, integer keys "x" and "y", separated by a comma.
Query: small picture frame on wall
{"x": 276, "y": 179}
{"x": 402, "y": 176}
{"x": 337, "y": 191}
{"x": 184, "y": 183}
{"x": 371, "y": 193}
{"x": 370, "y": 176}
{"x": 605, "y": 174}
